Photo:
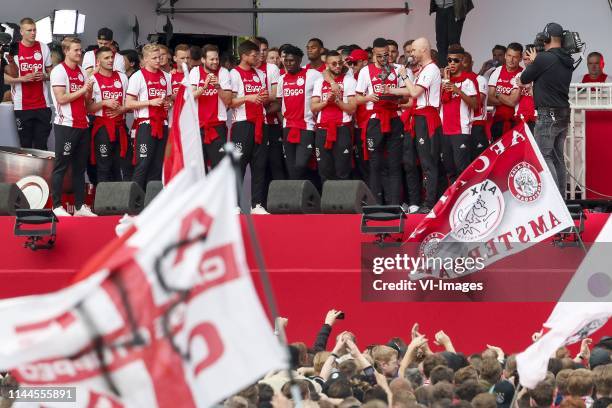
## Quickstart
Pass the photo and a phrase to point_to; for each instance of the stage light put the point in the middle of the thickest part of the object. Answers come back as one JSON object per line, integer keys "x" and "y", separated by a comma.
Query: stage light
{"x": 44, "y": 32}
{"x": 381, "y": 215}
{"x": 68, "y": 22}
{"x": 44, "y": 230}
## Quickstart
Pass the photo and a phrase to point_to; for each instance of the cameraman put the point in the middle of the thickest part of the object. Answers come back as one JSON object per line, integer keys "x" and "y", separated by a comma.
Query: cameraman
{"x": 551, "y": 74}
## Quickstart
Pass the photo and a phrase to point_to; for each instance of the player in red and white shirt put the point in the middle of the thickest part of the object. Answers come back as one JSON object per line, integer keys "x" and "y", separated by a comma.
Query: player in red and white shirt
{"x": 295, "y": 89}
{"x": 334, "y": 119}
{"x": 30, "y": 65}
{"x": 459, "y": 101}
{"x": 272, "y": 126}
{"x": 213, "y": 93}
{"x": 426, "y": 125}
{"x": 357, "y": 60}
{"x": 525, "y": 108}
{"x": 503, "y": 95}
{"x": 181, "y": 55}
{"x": 104, "y": 39}
{"x": 71, "y": 95}
{"x": 384, "y": 127}
{"x": 314, "y": 50}
{"x": 109, "y": 131}
{"x": 149, "y": 94}
{"x": 479, "y": 138}
{"x": 249, "y": 94}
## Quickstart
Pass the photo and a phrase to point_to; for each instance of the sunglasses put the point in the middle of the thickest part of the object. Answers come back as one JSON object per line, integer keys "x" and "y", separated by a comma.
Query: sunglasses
{"x": 350, "y": 63}
{"x": 455, "y": 60}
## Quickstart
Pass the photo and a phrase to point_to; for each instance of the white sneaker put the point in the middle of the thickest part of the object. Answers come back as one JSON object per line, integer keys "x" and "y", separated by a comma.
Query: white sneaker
{"x": 237, "y": 211}
{"x": 413, "y": 209}
{"x": 259, "y": 210}
{"x": 84, "y": 211}
{"x": 61, "y": 212}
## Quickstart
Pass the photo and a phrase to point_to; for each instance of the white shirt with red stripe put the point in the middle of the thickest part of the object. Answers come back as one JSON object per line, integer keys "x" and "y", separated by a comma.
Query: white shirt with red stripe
{"x": 332, "y": 112}
{"x": 369, "y": 82}
{"x": 72, "y": 114}
{"x": 113, "y": 87}
{"x": 296, "y": 91}
{"x": 503, "y": 82}
{"x": 245, "y": 83}
{"x": 31, "y": 95}
{"x": 272, "y": 74}
{"x": 456, "y": 115}
{"x": 145, "y": 90}
{"x": 89, "y": 61}
{"x": 484, "y": 96}
{"x": 211, "y": 108}
{"x": 430, "y": 80}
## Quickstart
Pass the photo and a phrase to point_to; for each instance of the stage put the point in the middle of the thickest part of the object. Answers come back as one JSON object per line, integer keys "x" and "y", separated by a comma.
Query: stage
{"x": 314, "y": 265}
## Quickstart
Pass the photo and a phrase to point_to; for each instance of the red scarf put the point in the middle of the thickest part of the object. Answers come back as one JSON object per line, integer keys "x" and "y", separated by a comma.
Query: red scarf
{"x": 432, "y": 117}
{"x": 111, "y": 127}
{"x": 586, "y": 79}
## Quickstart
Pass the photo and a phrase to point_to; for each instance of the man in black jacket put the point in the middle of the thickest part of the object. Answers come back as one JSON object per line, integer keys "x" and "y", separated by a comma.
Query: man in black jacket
{"x": 551, "y": 74}
{"x": 450, "y": 15}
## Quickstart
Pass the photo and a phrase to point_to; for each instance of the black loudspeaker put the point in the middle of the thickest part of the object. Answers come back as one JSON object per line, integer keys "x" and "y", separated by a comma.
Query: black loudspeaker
{"x": 118, "y": 197}
{"x": 153, "y": 189}
{"x": 293, "y": 197}
{"x": 11, "y": 199}
{"x": 345, "y": 197}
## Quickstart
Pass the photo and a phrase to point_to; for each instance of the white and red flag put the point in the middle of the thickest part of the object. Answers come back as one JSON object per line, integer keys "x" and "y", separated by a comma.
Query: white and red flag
{"x": 583, "y": 308}
{"x": 503, "y": 202}
{"x": 184, "y": 145}
{"x": 166, "y": 316}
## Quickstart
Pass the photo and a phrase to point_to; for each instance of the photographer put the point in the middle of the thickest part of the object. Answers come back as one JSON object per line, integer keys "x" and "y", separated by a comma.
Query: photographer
{"x": 551, "y": 74}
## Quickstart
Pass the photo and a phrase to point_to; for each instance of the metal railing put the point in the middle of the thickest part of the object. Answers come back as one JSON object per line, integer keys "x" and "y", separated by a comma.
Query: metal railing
{"x": 583, "y": 97}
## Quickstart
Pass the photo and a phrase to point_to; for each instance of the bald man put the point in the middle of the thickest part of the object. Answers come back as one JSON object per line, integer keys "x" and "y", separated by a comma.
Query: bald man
{"x": 427, "y": 127}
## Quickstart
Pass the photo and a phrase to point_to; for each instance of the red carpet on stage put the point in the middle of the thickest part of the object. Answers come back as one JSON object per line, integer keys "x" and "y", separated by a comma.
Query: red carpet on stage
{"x": 314, "y": 265}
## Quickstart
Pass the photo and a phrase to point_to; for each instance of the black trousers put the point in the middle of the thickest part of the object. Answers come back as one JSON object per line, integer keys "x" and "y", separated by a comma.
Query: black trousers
{"x": 456, "y": 154}
{"x": 391, "y": 144}
{"x": 33, "y": 127}
{"x": 334, "y": 163}
{"x": 479, "y": 141}
{"x": 297, "y": 155}
{"x": 448, "y": 31}
{"x": 361, "y": 170}
{"x": 71, "y": 149}
{"x": 276, "y": 159}
{"x": 429, "y": 150}
{"x": 214, "y": 151}
{"x": 149, "y": 155}
{"x": 412, "y": 176}
{"x": 127, "y": 165}
{"x": 243, "y": 136}
{"x": 497, "y": 129}
{"x": 108, "y": 159}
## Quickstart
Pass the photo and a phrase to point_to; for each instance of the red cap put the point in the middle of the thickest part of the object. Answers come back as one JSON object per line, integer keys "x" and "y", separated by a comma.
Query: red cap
{"x": 358, "y": 55}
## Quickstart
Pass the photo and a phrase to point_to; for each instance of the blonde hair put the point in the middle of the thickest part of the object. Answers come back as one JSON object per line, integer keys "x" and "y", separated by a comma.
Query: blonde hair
{"x": 68, "y": 41}
{"x": 319, "y": 360}
{"x": 149, "y": 48}
{"x": 383, "y": 354}
{"x": 26, "y": 20}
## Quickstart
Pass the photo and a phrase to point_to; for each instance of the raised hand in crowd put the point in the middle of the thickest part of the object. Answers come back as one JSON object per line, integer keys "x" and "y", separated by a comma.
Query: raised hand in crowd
{"x": 443, "y": 340}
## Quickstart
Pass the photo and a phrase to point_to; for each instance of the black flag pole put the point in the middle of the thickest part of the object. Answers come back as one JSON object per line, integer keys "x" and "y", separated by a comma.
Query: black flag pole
{"x": 230, "y": 151}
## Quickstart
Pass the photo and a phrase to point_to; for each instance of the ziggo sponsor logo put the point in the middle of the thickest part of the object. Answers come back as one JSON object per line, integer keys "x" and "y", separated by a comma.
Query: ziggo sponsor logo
{"x": 75, "y": 87}
{"x": 156, "y": 92}
{"x": 506, "y": 90}
{"x": 25, "y": 67}
{"x": 251, "y": 89}
{"x": 293, "y": 92}
{"x": 111, "y": 95}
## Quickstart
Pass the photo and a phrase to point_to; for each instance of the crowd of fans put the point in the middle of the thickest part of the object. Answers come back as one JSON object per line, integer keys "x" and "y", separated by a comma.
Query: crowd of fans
{"x": 338, "y": 373}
